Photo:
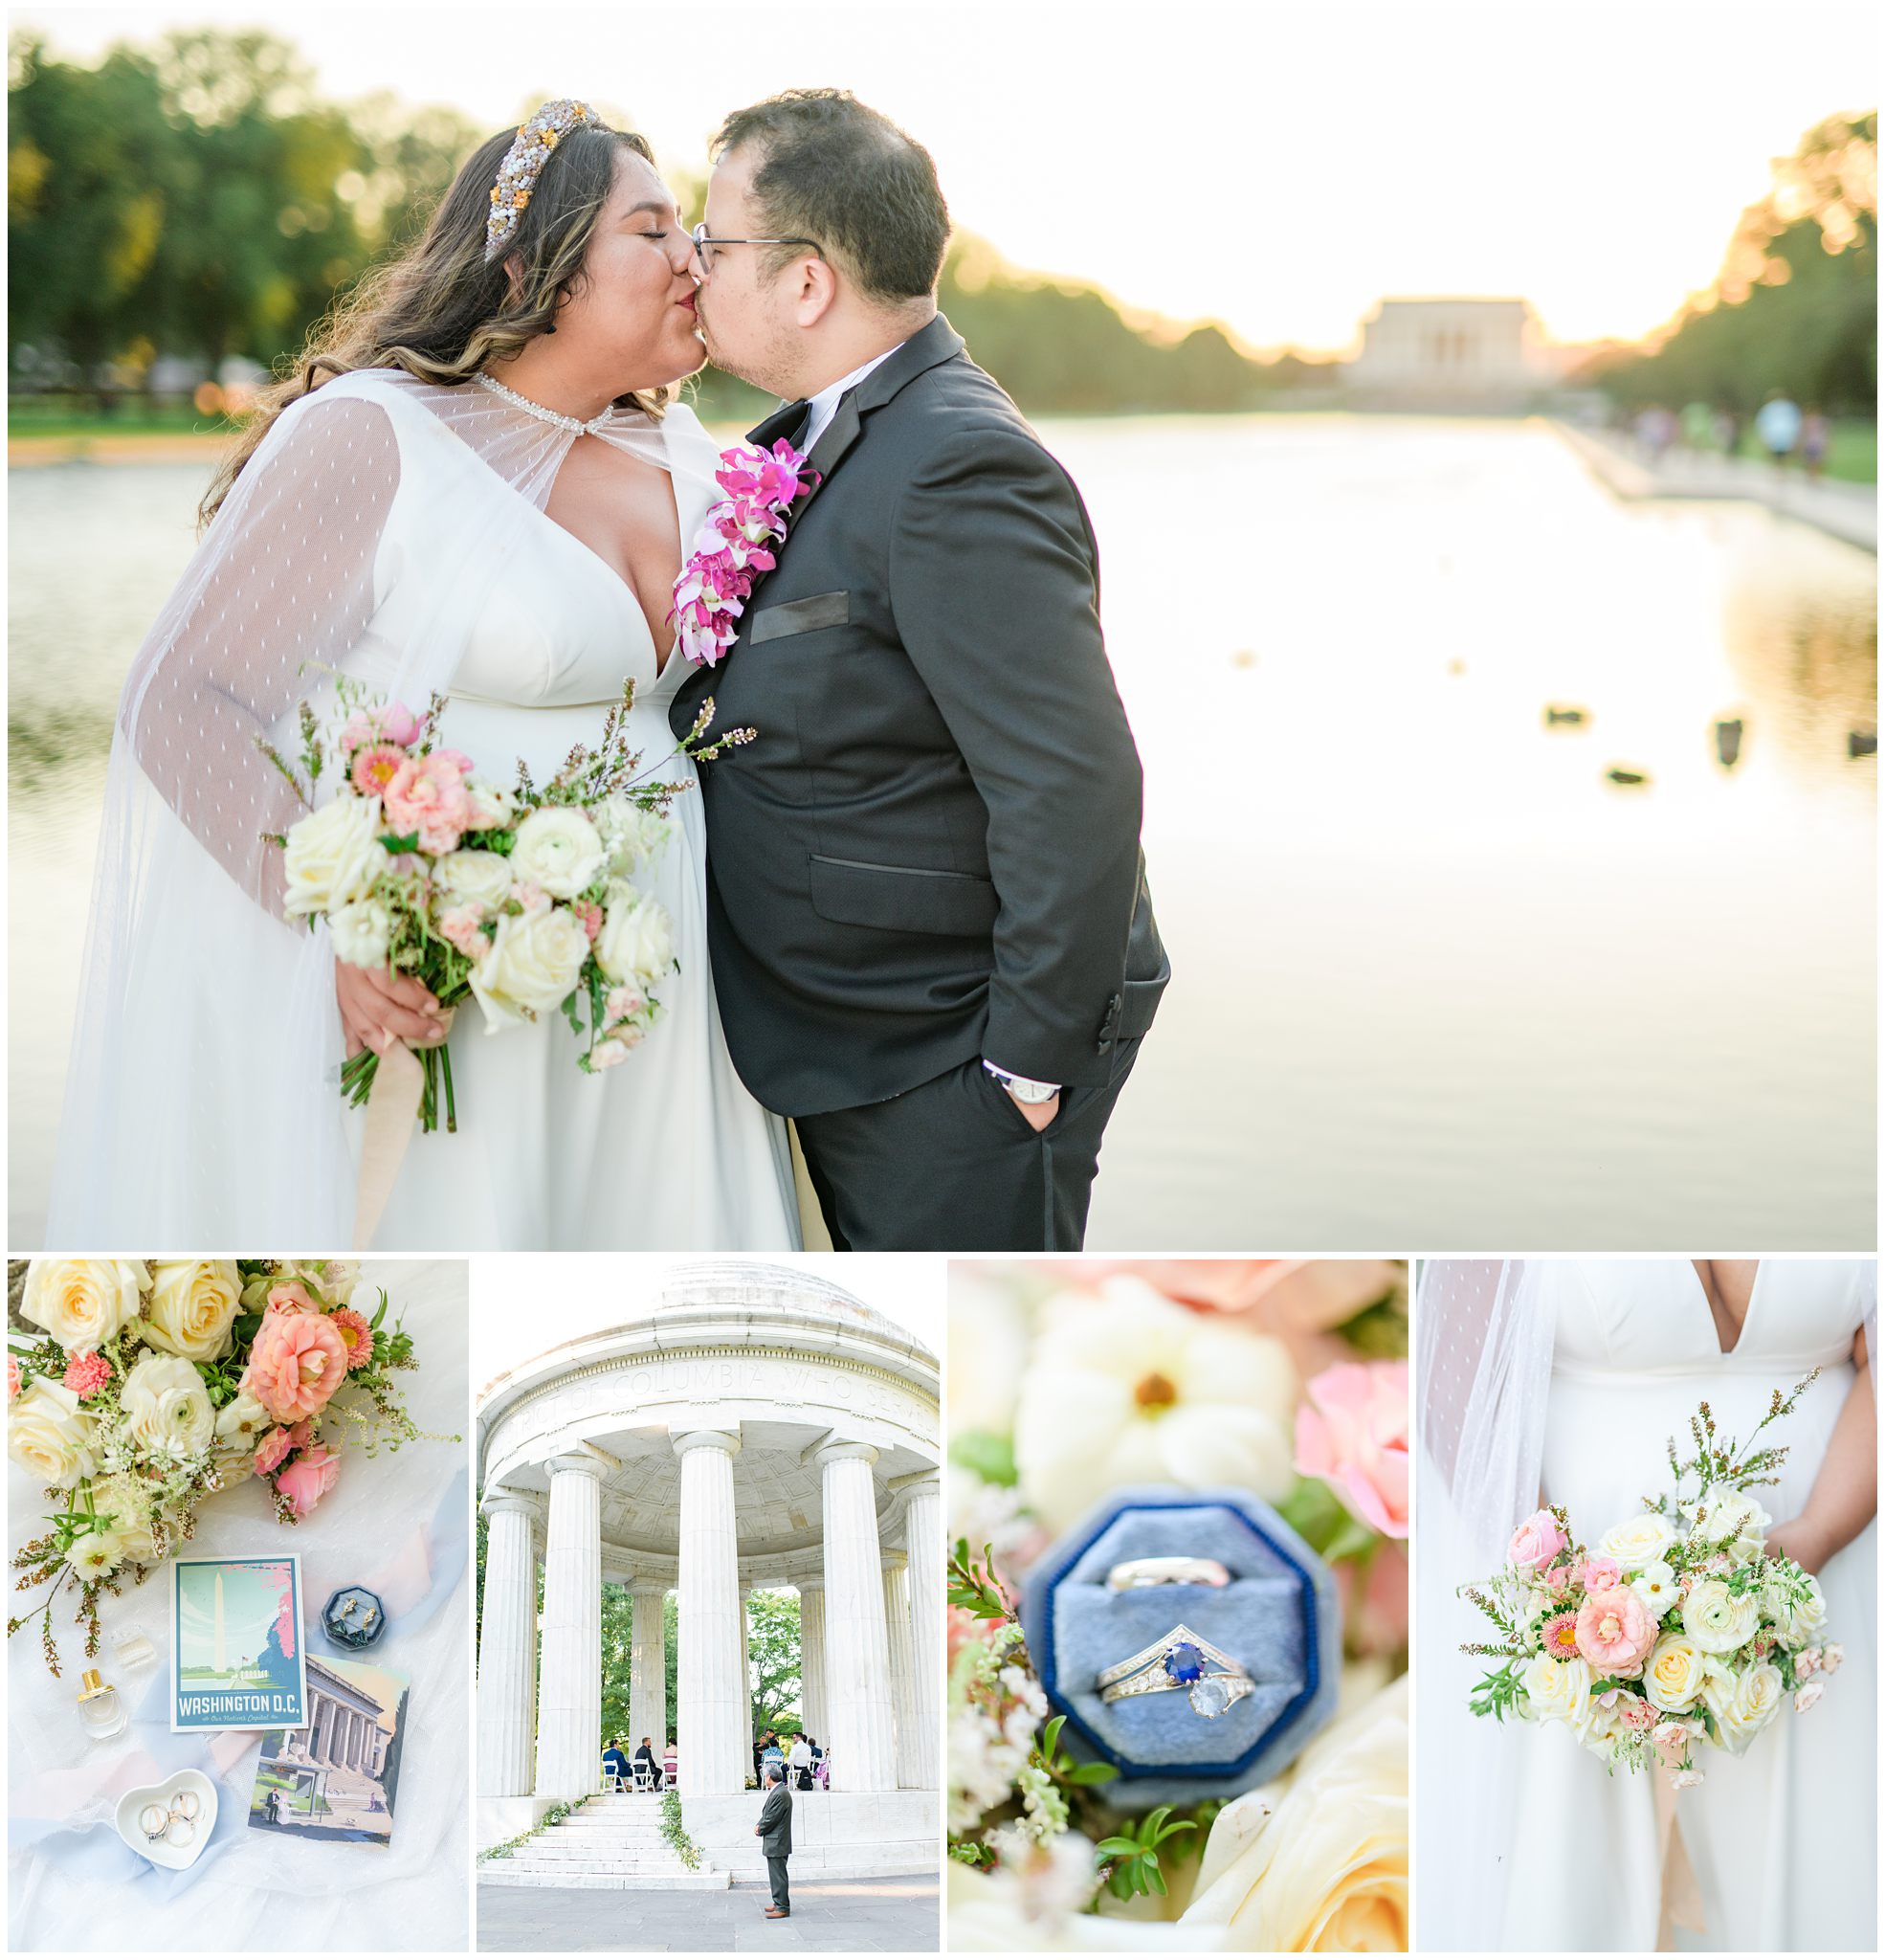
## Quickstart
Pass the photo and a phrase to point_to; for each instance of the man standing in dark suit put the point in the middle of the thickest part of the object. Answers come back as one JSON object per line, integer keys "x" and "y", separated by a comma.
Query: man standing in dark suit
{"x": 931, "y": 936}
{"x": 774, "y": 1831}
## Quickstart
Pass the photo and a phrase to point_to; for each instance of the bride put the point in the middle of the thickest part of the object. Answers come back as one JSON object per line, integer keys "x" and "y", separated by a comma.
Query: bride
{"x": 477, "y": 484}
{"x": 1556, "y": 1381}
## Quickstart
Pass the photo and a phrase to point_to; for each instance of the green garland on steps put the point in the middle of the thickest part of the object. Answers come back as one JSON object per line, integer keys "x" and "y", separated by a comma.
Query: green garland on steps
{"x": 555, "y": 1815}
{"x": 675, "y": 1831}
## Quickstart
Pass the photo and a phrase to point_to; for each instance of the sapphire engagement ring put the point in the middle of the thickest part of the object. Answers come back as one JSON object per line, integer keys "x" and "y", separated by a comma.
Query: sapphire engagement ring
{"x": 1181, "y": 1660}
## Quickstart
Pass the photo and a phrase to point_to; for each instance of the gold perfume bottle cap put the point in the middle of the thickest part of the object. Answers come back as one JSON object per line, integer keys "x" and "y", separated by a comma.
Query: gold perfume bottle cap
{"x": 92, "y": 1685}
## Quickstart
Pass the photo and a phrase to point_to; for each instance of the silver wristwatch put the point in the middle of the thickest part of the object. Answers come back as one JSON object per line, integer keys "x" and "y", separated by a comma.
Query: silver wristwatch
{"x": 1023, "y": 1088}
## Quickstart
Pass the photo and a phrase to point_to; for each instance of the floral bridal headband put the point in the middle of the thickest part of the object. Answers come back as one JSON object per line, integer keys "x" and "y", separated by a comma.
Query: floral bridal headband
{"x": 516, "y": 176}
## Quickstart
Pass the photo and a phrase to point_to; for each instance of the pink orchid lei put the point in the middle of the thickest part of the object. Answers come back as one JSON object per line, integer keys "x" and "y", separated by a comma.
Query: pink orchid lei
{"x": 733, "y": 544}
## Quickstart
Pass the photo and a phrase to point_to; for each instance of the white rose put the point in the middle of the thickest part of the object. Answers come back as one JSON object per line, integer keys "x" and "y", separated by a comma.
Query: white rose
{"x": 534, "y": 962}
{"x": 362, "y": 933}
{"x": 1742, "y": 1704}
{"x": 166, "y": 1405}
{"x": 96, "y": 1555}
{"x": 1672, "y": 1680}
{"x": 637, "y": 940}
{"x": 492, "y": 808}
{"x": 1321, "y": 1866}
{"x": 1718, "y": 1621}
{"x": 1129, "y": 1389}
{"x": 1559, "y": 1691}
{"x": 192, "y": 1307}
{"x": 635, "y": 836}
{"x": 1796, "y": 1621}
{"x": 481, "y": 877}
{"x": 1638, "y": 1541}
{"x": 559, "y": 849}
{"x": 123, "y": 1500}
{"x": 82, "y": 1302}
{"x": 51, "y": 1435}
{"x": 1657, "y": 1588}
{"x": 334, "y": 855}
{"x": 1733, "y": 1521}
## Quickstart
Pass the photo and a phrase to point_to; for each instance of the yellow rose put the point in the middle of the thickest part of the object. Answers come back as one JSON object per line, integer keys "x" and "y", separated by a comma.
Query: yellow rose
{"x": 1317, "y": 1864}
{"x": 82, "y": 1302}
{"x": 192, "y": 1308}
{"x": 1639, "y": 1541}
{"x": 1559, "y": 1691}
{"x": 1742, "y": 1704}
{"x": 1676, "y": 1674}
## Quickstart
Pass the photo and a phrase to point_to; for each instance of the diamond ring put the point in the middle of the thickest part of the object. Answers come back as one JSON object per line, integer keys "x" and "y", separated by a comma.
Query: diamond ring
{"x": 1133, "y": 1572}
{"x": 1181, "y": 1660}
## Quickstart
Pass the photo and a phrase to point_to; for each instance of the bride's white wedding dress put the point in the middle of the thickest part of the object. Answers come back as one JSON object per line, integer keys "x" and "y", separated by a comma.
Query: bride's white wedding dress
{"x": 394, "y": 531}
{"x": 1783, "y": 1840}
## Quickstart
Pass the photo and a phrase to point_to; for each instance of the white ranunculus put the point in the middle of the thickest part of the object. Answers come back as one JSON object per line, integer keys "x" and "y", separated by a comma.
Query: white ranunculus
{"x": 82, "y": 1302}
{"x": 1638, "y": 1541}
{"x": 166, "y": 1407}
{"x": 637, "y": 941}
{"x": 1797, "y": 1623}
{"x": 334, "y": 855}
{"x": 534, "y": 962}
{"x": 1558, "y": 1691}
{"x": 1719, "y": 1620}
{"x": 482, "y": 877}
{"x": 559, "y": 849}
{"x": 192, "y": 1307}
{"x": 634, "y": 837}
{"x": 1673, "y": 1674}
{"x": 1733, "y": 1521}
{"x": 1657, "y": 1588}
{"x": 492, "y": 808}
{"x": 1742, "y": 1704}
{"x": 124, "y": 1500}
{"x": 51, "y": 1435}
{"x": 362, "y": 933}
{"x": 1125, "y": 1388}
{"x": 96, "y": 1555}
{"x": 1317, "y": 1863}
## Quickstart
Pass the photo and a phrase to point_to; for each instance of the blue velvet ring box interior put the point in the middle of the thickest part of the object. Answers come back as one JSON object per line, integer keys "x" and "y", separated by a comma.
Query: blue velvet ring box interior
{"x": 1278, "y": 1618}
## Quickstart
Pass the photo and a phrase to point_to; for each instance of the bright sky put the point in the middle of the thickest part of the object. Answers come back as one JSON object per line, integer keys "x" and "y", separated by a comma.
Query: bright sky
{"x": 1278, "y": 168}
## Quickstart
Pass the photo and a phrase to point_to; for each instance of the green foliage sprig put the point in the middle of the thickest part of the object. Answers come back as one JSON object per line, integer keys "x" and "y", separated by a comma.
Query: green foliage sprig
{"x": 555, "y": 1815}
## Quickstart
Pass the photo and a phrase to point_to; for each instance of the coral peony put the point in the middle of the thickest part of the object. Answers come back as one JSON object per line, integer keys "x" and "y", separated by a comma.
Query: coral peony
{"x": 298, "y": 1360}
{"x": 309, "y": 1477}
{"x": 1353, "y": 1433}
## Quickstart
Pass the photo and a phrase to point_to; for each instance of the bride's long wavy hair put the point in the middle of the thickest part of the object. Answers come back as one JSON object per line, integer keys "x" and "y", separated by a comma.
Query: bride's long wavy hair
{"x": 436, "y": 309}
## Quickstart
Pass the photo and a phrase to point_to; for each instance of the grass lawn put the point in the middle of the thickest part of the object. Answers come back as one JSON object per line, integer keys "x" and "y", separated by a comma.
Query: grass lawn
{"x": 67, "y": 417}
{"x": 1851, "y": 456}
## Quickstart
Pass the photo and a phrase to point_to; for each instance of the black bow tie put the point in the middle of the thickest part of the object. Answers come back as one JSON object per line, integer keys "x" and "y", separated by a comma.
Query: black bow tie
{"x": 788, "y": 421}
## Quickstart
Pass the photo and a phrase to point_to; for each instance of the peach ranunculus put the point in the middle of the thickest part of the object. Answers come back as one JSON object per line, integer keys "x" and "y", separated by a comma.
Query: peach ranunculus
{"x": 298, "y": 1360}
{"x": 292, "y": 1297}
{"x": 1353, "y": 1433}
{"x": 1538, "y": 1540}
{"x": 309, "y": 1477}
{"x": 1615, "y": 1632}
{"x": 426, "y": 795}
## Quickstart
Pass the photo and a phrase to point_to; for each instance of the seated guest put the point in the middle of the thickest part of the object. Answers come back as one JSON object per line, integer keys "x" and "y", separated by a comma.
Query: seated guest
{"x": 799, "y": 1757}
{"x": 647, "y": 1769}
{"x": 613, "y": 1762}
{"x": 669, "y": 1764}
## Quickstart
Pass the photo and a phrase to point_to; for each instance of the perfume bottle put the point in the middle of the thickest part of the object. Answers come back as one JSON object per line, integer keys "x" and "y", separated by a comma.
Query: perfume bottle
{"x": 99, "y": 1708}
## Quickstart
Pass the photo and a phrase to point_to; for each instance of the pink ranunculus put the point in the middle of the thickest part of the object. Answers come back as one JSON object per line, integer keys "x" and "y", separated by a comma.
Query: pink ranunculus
{"x": 1615, "y": 1632}
{"x": 13, "y": 1379}
{"x": 1806, "y": 1663}
{"x": 427, "y": 794}
{"x": 399, "y": 722}
{"x": 1636, "y": 1712}
{"x": 1831, "y": 1656}
{"x": 292, "y": 1297}
{"x": 270, "y": 1450}
{"x": 298, "y": 1360}
{"x": 1353, "y": 1433}
{"x": 463, "y": 926}
{"x": 86, "y": 1373}
{"x": 1805, "y": 1696}
{"x": 1600, "y": 1574}
{"x": 624, "y": 1002}
{"x": 309, "y": 1477}
{"x": 1538, "y": 1540}
{"x": 1557, "y": 1581}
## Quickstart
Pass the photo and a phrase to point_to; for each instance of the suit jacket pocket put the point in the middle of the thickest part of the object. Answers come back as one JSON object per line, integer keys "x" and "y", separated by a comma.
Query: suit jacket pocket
{"x": 902, "y": 897}
{"x": 799, "y": 615}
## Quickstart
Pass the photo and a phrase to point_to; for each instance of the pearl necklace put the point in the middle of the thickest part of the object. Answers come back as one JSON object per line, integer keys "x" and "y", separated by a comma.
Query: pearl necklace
{"x": 594, "y": 426}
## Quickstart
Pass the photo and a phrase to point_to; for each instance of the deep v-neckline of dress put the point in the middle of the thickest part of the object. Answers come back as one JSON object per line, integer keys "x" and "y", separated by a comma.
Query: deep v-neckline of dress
{"x": 615, "y": 578}
{"x": 1708, "y": 1308}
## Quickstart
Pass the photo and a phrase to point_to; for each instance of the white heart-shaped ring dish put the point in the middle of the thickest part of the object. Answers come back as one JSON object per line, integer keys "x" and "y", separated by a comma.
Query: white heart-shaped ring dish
{"x": 174, "y": 1857}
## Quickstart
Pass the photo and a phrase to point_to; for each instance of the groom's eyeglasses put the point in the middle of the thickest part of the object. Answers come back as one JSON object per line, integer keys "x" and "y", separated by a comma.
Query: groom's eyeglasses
{"x": 705, "y": 247}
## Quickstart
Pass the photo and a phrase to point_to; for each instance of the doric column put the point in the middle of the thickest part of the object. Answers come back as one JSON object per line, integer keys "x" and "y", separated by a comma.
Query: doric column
{"x": 648, "y": 1665}
{"x": 923, "y": 1534}
{"x": 747, "y": 1735}
{"x": 856, "y": 1645}
{"x": 714, "y": 1761}
{"x": 813, "y": 1703}
{"x": 570, "y": 1694}
{"x": 902, "y": 1689}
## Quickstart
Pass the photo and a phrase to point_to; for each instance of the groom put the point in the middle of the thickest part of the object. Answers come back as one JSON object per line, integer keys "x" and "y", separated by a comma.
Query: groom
{"x": 931, "y": 937}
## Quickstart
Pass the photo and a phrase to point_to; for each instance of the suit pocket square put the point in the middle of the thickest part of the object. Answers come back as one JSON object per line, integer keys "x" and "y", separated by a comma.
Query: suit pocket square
{"x": 900, "y": 897}
{"x": 799, "y": 615}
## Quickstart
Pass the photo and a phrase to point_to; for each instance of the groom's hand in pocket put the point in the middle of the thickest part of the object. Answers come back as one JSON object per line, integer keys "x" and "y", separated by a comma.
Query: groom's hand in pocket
{"x": 379, "y": 1007}
{"x": 1038, "y": 1114}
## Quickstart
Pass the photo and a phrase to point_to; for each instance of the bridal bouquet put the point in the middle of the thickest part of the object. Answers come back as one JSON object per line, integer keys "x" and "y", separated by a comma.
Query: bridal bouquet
{"x": 155, "y": 1384}
{"x": 524, "y": 899}
{"x": 1676, "y": 1629}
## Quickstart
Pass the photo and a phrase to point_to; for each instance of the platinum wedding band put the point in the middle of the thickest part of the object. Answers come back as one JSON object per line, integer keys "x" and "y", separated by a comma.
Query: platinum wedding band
{"x": 1180, "y": 1660}
{"x": 1133, "y": 1572}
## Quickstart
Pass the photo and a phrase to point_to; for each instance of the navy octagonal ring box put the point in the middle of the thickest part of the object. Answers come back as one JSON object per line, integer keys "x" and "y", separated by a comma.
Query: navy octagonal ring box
{"x": 1278, "y": 1619}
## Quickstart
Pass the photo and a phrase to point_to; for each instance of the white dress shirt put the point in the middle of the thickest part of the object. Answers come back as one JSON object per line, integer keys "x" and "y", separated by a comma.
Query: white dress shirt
{"x": 824, "y": 403}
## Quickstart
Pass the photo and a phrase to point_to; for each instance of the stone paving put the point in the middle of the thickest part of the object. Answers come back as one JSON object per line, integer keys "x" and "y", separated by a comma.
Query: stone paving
{"x": 829, "y": 1916}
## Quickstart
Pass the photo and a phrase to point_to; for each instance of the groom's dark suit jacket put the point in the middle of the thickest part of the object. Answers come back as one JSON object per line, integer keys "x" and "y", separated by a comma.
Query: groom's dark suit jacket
{"x": 931, "y": 852}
